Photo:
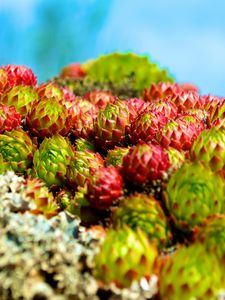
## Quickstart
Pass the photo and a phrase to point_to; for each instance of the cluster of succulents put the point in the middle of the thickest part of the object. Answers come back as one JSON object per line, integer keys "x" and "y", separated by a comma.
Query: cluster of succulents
{"x": 112, "y": 184}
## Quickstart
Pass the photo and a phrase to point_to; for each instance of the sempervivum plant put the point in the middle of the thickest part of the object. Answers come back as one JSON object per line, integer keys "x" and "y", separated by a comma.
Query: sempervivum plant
{"x": 135, "y": 107}
{"x": 82, "y": 114}
{"x": 165, "y": 107}
{"x": 81, "y": 165}
{"x": 145, "y": 163}
{"x": 84, "y": 125}
{"x": 74, "y": 71}
{"x": 47, "y": 117}
{"x": 180, "y": 133}
{"x": 19, "y": 75}
{"x": 185, "y": 101}
{"x": 21, "y": 97}
{"x": 104, "y": 187}
{"x": 17, "y": 149}
{"x": 9, "y": 118}
{"x": 115, "y": 156}
{"x": 100, "y": 98}
{"x": 144, "y": 212}
{"x": 210, "y": 147}
{"x": 125, "y": 256}
{"x": 40, "y": 198}
{"x": 191, "y": 273}
{"x": 161, "y": 91}
{"x": 146, "y": 126}
{"x": 194, "y": 193}
{"x": 49, "y": 89}
{"x": 52, "y": 159}
{"x": 110, "y": 125}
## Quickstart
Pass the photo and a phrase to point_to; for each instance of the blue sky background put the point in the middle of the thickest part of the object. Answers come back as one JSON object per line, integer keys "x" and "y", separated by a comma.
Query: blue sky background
{"x": 187, "y": 37}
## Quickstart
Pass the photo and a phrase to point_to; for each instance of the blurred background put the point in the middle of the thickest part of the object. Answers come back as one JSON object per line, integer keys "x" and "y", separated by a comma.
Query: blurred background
{"x": 187, "y": 37}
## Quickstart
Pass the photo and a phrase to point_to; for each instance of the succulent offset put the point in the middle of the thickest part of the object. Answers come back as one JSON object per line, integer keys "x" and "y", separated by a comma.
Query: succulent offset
{"x": 124, "y": 256}
{"x": 17, "y": 149}
{"x": 194, "y": 193}
{"x": 52, "y": 159}
{"x": 110, "y": 125}
{"x": 144, "y": 212}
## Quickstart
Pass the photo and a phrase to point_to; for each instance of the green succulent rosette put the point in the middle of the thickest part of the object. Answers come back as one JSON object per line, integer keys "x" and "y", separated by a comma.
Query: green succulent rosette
{"x": 21, "y": 97}
{"x": 126, "y": 75}
{"x": 52, "y": 159}
{"x": 120, "y": 67}
{"x": 47, "y": 117}
{"x": 194, "y": 193}
{"x": 17, "y": 150}
{"x": 210, "y": 148}
{"x": 144, "y": 212}
{"x": 125, "y": 256}
{"x": 81, "y": 165}
{"x": 191, "y": 273}
{"x": 110, "y": 125}
{"x": 115, "y": 156}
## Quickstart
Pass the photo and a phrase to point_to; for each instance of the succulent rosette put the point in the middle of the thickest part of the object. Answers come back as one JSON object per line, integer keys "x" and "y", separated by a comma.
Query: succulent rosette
{"x": 121, "y": 71}
{"x": 181, "y": 132}
{"x": 145, "y": 163}
{"x": 21, "y": 97}
{"x": 161, "y": 90}
{"x": 49, "y": 89}
{"x": 125, "y": 256}
{"x": 165, "y": 107}
{"x": 146, "y": 126}
{"x": 191, "y": 273}
{"x": 104, "y": 188}
{"x": 47, "y": 117}
{"x": 82, "y": 114}
{"x": 144, "y": 212}
{"x": 52, "y": 159}
{"x": 135, "y": 107}
{"x": 74, "y": 71}
{"x": 17, "y": 149}
{"x": 83, "y": 127}
{"x": 100, "y": 98}
{"x": 81, "y": 165}
{"x": 9, "y": 118}
{"x": 194, "y": 193}
{"x": 110, "y": 125}
{"x": 36, "y": 192}
{"x": 210, "y": 148}
{"x": 115, "y": 156}
{"x": 19, "y": 75}
{"x": 187, "y": 100}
